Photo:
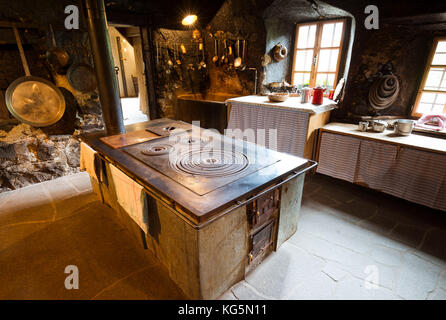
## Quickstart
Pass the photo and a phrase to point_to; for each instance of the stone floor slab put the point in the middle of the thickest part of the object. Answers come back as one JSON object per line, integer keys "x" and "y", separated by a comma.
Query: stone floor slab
{"x": 45, "y": 227}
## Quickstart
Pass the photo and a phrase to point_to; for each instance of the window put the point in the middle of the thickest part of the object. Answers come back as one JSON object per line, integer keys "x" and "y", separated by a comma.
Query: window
{"x": 431, "y": 96}
{"x": 317, "y": 53}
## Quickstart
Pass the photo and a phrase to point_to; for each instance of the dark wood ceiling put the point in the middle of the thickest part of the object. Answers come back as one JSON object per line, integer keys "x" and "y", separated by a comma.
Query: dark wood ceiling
{"x": 165, "y": 14}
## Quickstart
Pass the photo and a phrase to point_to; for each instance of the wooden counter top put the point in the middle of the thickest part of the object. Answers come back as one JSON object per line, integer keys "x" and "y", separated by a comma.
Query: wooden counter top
{"x": 293, "y": 103}
{"x": 417, "y": 141}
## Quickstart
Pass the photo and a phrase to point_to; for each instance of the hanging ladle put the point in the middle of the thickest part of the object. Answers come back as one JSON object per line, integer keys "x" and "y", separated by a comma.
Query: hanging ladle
{"x": 238, "y": 59}
{"x": 169, "y": 61}
{"x": 215, "y": 57}
{"x": 202, "y": 63}
{"x": 223, "y": 57}
{"x": 177, "y": 60}
{"x": 242, "y": 66}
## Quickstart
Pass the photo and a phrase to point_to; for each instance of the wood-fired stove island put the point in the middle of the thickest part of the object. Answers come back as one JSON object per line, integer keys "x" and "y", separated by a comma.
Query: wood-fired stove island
{"x": 211, "y": 207}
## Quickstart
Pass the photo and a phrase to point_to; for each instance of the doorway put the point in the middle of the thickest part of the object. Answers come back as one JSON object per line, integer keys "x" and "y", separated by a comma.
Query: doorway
{"x": 127, "y": 53}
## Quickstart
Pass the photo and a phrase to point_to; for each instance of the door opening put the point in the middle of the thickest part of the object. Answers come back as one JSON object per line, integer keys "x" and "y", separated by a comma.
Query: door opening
{"x": 130, "y": 74}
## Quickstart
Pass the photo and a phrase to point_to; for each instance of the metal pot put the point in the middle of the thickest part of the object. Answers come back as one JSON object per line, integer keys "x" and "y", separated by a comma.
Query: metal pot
{"x": 378, "y": 125}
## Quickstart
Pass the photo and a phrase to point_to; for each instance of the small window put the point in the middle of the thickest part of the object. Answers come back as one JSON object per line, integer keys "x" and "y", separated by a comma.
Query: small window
{"x": 431, "y": 96}
{"x": 317, "y": 53}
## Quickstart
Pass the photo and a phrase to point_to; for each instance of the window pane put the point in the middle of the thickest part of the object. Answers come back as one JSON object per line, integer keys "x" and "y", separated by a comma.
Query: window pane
{"x": 311, "y": 37}
{"x": 306, "y": 36}
{"x": 332, "y": 34}
{"x": 302, "y": 37}
{"x": 436, "y": 79}
{"x": 428, "y": 97}
{"x": 439, "y": 58}
{"x": 325, "y": 80}
{"x": 327, "y": 35}
{"x": 301, "y": 79}
{"x": 303, "y": 60}
{"x": 432, "y": 102}
{"x": 424, "y": 108}
{"x": 441, "y": 100}
{"x": 328, "y": 60}
{"x": 441, "y": 47}
{"x": 338, "y": 34}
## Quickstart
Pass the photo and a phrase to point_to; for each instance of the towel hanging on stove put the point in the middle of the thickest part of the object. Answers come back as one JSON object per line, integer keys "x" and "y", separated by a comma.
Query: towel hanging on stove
{"x": 131, "y": 197}
{"x": 89, "y": 163}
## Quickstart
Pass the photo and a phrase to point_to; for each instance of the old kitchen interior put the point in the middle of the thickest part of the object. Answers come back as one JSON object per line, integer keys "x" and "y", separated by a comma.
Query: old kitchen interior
{"x": 265, "y": 149}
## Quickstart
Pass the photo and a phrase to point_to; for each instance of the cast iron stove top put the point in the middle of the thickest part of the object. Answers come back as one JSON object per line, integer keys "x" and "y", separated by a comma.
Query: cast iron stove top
{"x": 165, "y": 127}
{"x": 201, "y": 160}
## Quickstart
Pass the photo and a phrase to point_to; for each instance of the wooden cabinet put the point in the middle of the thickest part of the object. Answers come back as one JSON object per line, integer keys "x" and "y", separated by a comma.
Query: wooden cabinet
{"x": 403, "y": 170}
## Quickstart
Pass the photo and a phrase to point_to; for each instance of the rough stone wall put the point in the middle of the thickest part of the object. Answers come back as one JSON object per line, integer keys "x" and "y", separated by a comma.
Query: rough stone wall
{"x": 29, "y": 155}
{"x": 174, "y": 80}
{"x": 405, "y": 48}
{"x": 279, "y": 31}
{"x": 237, "y": 19}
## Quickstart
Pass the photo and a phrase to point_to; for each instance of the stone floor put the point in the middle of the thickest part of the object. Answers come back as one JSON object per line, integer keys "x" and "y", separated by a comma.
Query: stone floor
{"x": 352, "y": 243}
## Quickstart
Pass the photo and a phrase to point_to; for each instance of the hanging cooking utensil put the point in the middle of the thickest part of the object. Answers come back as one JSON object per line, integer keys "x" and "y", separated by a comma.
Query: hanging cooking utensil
{"x": 183, "y": 49}
{"x": 238, "y": 59}
{"x": 203, "y": 62}
{"x": 57, "y": 57}
{"x": 166, "y": 61}
{"x": 243, "y": 64}
{"x": 215, "y": 57}
{"x": 226, "y": 53}
{"x": 157, "y": 52}
{"x": 82, "y": 77}
{"x": 230, "y": 56}
{"x": 169, "y": 61}
{"x": 33, "y": 100}
{"x": 223, "y": 57}
{"x": 178, "y": 60}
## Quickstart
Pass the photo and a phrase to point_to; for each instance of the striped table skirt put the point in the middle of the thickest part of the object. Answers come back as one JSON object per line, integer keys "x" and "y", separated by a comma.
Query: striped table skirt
{"x": 282, "y": 130}
{"x": 412, "y": 174}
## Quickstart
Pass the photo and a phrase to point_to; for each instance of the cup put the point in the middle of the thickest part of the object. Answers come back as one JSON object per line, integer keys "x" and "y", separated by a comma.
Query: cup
{"x": 363, "y": 125}
{"x": 404, "y": 127}
{"x": 305, "y": 95}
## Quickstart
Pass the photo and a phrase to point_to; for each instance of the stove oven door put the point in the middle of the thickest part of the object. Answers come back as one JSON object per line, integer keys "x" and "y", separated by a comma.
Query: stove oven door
{"x": 264, "y": 208}
{"x": 261, "y": 244}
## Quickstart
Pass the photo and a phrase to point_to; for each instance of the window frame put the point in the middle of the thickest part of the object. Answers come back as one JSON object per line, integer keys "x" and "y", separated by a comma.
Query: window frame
{"x": 316, "y": 50}
{"x": 427, "y": 67}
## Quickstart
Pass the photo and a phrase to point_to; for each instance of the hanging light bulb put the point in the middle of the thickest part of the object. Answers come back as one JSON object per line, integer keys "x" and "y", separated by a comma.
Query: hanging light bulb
{"x": 189, "y": 20}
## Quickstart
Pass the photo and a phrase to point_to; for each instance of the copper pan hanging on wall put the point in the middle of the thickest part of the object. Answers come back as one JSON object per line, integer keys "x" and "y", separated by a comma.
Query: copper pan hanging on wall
{"x": 33, "y": 100}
